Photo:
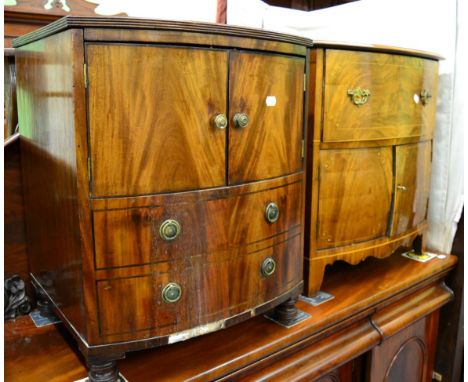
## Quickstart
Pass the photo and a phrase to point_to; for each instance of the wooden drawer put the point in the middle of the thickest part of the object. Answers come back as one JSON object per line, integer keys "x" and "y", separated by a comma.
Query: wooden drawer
{"x": 213, "y": 287}
{"x": 394, "y": 108}
{"x": 125, "y": 237}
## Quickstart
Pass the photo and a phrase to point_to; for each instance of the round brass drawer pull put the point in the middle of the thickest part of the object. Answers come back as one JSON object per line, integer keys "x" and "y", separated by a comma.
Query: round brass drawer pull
{"x": 271, "y": 212}
{"x": 220, "y": 121}
{"x": 268, "y": 267}
{"x": 359, "y": 96}
{"x": 241, "y": 120}
{"x": 171, "y": 292}
{"x": 169, "y": 229}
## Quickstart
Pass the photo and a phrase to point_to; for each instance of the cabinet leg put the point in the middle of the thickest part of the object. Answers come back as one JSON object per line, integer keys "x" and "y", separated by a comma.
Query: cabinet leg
{"x": 418, "y": 245}
{"x": 287, "y": 312}
{"x": 314, "y": 276}
{"x": 103, "y": 371}
{"x": 44, "y": 305}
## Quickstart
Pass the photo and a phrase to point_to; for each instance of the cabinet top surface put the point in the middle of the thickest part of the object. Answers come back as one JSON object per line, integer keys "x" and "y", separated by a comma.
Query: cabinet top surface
{"x": 116, "y": 22}
{"x": 129, "y": 23}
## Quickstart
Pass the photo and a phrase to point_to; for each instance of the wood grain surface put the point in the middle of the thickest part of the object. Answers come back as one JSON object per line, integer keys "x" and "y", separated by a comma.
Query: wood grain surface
{"x": 412, "y": 185}
{"x": 270, "y": 146}
{"x": 151, "y": 113}
{"x": 355, "y": 195}
{"x": 46, "y": 88}
{"x": 391, "y": 111}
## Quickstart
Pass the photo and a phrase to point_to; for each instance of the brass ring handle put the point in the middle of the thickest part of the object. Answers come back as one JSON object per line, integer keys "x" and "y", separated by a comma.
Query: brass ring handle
{"x": 220, "y": 121}
{"x": 425, "y": 97}
{"x": 171, "y": 293}
{"x": 169, "y": 230}
{"x": 241, "y": 120}
{"x": 401, "y": 188}
{"x": 271, "y": 212}
{"x": 359, "y": 96}
{"x": 268, "y": 267}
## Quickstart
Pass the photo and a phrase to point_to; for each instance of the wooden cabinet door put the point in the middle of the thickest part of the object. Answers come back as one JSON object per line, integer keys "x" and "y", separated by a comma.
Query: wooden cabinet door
{"x": 355, "y": 193}
{"x": 151, "y": 115}
{"x": 412, "y": 185}
{"x": 269, "y": 89}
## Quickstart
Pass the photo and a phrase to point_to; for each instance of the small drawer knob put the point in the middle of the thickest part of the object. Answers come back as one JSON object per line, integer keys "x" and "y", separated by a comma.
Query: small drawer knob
{"x": 271, "y": 212}
{"x": 401, "y": 187}
{"x": 241, "y": 120}
{"x": 169, "y": 230}
{"x": 171, "y": 292}
{"x": 425, "y": 97}
{"x": 359, "y": 96}
{"x": 268, "y": 267}
{"x": 220, "y": 121}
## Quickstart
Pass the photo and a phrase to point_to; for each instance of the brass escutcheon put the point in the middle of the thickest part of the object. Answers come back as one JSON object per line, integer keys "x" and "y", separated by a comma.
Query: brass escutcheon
{"x": 425, "y": 97}
{"x": 220, "y": 121}
{"x": 169, "y": 229}
{"x": 359, "y": 96}
{"x": 171, "y": 292}
{"x": 271, "y": 212}
{"x": 268, "y": 267}
{"x": 241, "y": 120}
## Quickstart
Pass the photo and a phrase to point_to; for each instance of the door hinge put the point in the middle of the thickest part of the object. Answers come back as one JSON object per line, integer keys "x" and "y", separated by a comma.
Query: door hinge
{"x": 302, "y": 149}
{"x": 305, "y": 82}
{"x": 85, "y": 75}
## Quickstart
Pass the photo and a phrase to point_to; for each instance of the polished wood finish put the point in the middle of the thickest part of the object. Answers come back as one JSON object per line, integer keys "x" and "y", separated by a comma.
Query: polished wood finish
{"x": 48, "y": 159}
{"x": 270, "y": 145}
{"x": 137, "y": 149}
{"x": 391, "y": 111}
{"x": 14, "y": 246}
{"x": 70, "y": 22}
{"x": 412, "y": 185}
{"x": 336, "y": 333}
{"x": 365, "y": 193}
{"x": 369, "y": 164}
{"x": 151, "y": 113}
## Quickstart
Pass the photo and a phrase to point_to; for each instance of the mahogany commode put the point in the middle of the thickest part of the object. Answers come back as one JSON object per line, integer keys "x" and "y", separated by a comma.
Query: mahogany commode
{"x": 163, "y": 170}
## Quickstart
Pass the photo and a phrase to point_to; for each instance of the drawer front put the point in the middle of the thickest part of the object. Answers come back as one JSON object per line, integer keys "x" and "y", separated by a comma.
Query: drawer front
{"x": 355, "y": 193}
{"x": 212, "y": 288}
{"x": 125, "y": 237}
{"x": 398, "y": 105}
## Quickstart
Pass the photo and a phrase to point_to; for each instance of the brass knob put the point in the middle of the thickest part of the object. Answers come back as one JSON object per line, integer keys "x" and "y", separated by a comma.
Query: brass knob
{"x": 359, "y": 96}
{"x": 271, "y": 212}
{"x": 241, "y": 120}
{"x": 171, "y": 292}
{"x": 401, "y": 187}
{"x": 268, "y": 267}
{"x": 169, "y": 229}
{"x": 220, "y": 121}
{"x": 425, "y": 97}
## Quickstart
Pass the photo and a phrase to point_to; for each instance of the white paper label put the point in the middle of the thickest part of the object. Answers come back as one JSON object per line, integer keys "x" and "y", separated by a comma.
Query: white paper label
{"x": 270, "y": 101}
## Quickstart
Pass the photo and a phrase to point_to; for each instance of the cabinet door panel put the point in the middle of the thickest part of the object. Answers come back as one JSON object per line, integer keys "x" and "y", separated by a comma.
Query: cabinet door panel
{"x": 412, "y": 185}
{"x": 150, "y": 118}
{"x": 355, "y": 191}
{"x": 270, "y": 145}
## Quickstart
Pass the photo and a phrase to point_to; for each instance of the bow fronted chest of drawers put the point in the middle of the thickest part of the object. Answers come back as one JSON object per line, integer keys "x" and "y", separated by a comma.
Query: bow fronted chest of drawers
{"x": 163, "y": 176}
{"x": 371, "y": 122}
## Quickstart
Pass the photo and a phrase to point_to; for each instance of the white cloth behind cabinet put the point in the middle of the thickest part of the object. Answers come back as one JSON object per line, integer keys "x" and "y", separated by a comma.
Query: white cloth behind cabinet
{"x": 429, "y": 25}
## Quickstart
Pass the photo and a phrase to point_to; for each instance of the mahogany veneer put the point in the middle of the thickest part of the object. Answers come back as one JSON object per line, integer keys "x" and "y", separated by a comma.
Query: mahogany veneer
{"x": 153, "y": 213}
{"x": 371, "y": 120}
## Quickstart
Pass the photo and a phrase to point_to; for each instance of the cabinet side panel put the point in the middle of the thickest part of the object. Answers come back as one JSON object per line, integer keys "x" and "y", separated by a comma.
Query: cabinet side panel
{"x": 46, "y": 118}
